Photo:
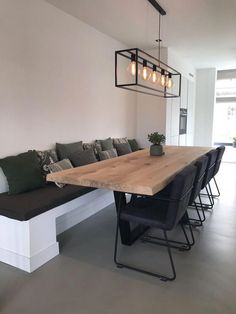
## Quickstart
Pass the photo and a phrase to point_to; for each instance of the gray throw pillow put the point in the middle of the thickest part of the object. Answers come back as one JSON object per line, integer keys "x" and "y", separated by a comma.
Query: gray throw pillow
{"x": 59, "y": 166}
{"x": 123, "y": 149}
{"x": 65, "y": 150}
{"x": 107, "y": 154}
{"x": 83, "y": 158}
{"x": 106, "y": 144}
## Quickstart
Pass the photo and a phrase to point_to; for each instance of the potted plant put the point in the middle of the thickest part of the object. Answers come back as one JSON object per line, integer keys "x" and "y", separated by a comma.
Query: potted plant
{"x": 234, "y": 142}
{"x": 156, "y": 149}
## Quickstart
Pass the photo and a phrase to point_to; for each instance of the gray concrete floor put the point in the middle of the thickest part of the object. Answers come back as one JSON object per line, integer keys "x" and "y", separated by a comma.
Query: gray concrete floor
{"x": 83, "y": 278}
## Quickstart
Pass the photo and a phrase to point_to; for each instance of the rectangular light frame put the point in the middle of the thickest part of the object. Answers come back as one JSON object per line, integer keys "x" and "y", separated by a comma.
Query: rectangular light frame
{"x": 140, "y": 87}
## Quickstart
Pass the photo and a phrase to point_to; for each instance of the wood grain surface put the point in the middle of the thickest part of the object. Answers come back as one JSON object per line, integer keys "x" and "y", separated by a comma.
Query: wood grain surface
{"x": 137, "y": 173}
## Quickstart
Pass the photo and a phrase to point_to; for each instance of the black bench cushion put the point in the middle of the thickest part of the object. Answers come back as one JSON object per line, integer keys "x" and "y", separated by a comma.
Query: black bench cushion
{"x": 27, "y": 205}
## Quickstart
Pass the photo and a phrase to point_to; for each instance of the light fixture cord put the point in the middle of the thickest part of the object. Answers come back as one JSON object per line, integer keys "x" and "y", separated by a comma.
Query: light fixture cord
{"x": 159, "y": 40}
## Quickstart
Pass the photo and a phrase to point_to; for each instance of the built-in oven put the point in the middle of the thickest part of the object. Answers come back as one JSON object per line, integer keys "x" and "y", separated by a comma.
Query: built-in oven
{"x": 183, "y": 121}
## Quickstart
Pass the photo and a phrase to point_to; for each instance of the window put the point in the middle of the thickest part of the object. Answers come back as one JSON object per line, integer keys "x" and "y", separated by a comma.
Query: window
{"x": 225, "y": 111}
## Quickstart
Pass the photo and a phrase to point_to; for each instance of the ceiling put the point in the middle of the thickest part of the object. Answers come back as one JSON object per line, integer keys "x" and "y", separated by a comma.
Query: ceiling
{"x": 201, "y": 31}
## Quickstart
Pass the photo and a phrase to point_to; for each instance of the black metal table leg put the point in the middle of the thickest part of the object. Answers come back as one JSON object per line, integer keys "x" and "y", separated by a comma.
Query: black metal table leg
{"x": 128, "y": 233}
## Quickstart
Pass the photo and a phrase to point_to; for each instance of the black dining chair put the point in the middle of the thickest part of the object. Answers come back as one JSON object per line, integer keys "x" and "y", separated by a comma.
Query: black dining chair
{"x": 220, "y": 150}
{"x": 201, "y": 165}
{"x": 209, "y": 174}
{"x": 164, "y": 214}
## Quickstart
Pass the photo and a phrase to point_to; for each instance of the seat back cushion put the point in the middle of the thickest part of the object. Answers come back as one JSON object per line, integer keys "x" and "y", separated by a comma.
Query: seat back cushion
{"x": 201, "y": 165}
{"x": 220, "y": 150}
{"x": 180, "y": 194}
{"x": 212, "y": 156}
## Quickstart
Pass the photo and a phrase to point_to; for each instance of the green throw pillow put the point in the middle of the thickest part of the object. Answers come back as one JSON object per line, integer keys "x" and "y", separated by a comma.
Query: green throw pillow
{"x": 134, "y": 145}
{"x": 65, "y": 150}
{"x": 106, "y": 144}
{"x": 83, "y": 158}
{"x": 123, "y": 149}
{"x": 23, "y": 172}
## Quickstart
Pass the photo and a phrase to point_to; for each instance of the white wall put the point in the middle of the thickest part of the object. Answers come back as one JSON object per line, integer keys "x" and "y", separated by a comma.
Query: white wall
{"x": 57, "y": 80}
{"x": 205, "y": 101}
{"x": 187, "y": 100}
{"x": 181, "y": 64}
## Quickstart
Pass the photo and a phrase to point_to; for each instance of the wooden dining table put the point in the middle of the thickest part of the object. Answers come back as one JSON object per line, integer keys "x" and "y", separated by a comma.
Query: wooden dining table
{"x": 134, "y": 173}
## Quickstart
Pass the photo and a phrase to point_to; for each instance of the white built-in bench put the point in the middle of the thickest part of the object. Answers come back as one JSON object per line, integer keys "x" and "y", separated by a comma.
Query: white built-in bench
{"x": 31, "y": 221}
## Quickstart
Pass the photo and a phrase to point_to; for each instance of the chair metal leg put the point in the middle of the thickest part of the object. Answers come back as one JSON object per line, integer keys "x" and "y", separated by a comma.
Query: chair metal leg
{"x": 217, "y": 188}
{"x": 170, "y": 257}
{"x": 202, "y": 208}
{"x": 161, "y": 277}
{"x": 182, "y": 246}
{"x": 209, "y": 194}
{"x": 129, "y": 234}
{"x": 209, "y": 205}
{"x": 194, "y": 221}
{"x": 186, "y": 236}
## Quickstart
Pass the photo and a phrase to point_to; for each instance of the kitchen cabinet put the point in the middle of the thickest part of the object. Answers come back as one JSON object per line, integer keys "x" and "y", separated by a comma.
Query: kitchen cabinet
{"x": 182, "y": 140}
{"x": 186, "y": 101}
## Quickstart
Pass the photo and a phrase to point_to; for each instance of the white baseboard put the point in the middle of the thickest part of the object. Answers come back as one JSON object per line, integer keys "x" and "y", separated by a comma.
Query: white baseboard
{"x": 29, "y": 264}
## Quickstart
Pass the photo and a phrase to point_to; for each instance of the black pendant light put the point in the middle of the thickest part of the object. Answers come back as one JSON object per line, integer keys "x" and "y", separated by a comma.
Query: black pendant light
{"x": 138, "y": 71}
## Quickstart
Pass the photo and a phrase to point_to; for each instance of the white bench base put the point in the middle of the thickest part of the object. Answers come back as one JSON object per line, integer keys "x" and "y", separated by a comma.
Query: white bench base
{"x": 29, "y": 244}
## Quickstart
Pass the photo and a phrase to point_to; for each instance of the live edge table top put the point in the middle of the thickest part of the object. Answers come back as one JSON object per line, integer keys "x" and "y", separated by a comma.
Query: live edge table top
{"x": 136, "y": 173}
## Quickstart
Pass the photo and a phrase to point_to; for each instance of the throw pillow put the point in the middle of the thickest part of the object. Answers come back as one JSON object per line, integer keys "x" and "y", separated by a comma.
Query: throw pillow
{"x": 46, "y": 157}
{"x": 107, "y": 154}
{"x": 83, "y": 158}
{"x": 95, "y": 146}
{"x": 23, "y": 172}
{"x": 87, "y": 146}
{"x": 65, "y": 150}
{"x": 3, "y": 182}
{"x": 106, "y": 144}
{"x": 134, "y": 145}
{"x": 123, "y": 149}
{"x": 59, "y": 166}
{"x": 120, "y": 140}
